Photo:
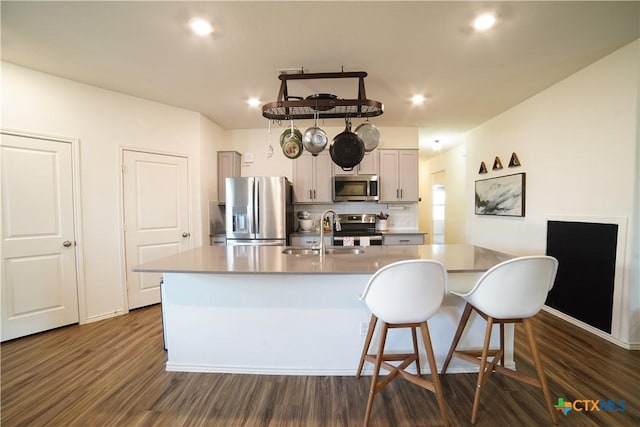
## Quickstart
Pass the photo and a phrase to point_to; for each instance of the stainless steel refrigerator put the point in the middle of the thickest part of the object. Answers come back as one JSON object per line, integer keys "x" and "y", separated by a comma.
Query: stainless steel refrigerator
{"x": 259, "y": 210}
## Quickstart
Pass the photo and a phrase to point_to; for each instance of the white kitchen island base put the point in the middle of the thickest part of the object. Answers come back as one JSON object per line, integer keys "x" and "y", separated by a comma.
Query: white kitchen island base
{"x": 293, "y": 324}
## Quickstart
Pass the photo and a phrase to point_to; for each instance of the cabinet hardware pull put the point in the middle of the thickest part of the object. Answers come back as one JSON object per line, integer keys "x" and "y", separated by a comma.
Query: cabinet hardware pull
{"x": 66, "y": 243}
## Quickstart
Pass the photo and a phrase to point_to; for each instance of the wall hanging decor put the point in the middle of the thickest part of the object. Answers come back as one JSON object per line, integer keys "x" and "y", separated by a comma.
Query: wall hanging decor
{"x": 497, "y": 164}
{"x": 515, "y": 161}
{"x": 483, "y": 168}
{"x": 502, "y": 196}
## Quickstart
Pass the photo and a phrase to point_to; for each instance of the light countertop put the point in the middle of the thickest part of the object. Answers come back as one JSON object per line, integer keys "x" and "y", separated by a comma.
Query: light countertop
{"x": 270, "y": 260}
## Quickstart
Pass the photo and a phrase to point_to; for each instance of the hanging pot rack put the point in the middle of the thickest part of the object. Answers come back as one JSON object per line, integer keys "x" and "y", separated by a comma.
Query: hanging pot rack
{"x": 292, "y": 107}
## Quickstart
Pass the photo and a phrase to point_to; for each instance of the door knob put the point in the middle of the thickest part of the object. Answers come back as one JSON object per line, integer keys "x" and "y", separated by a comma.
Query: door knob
{"x": 66, "y": 243}
{"x": 185, "y": 234}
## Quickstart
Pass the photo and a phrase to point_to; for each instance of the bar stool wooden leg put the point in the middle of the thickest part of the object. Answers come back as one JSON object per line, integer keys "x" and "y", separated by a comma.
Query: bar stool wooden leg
{"x": 374, "y": 380}
{"x": 367, "y": 343}
{"x": 415, "y": 349}
{"x": 435, "y": 378}
{"x": 539, "y": 368}
{"x": 502, "y": 343}
{"x": 461, "y": 325}
{"x": 483, "y": 370}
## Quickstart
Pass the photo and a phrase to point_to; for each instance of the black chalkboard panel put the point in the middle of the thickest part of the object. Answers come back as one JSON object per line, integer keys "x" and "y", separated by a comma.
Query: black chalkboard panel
{"x": 586, "y": 253}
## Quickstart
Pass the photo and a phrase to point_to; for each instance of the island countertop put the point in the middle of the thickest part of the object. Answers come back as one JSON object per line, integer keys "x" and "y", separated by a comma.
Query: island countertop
{"x": 458, "y": 258}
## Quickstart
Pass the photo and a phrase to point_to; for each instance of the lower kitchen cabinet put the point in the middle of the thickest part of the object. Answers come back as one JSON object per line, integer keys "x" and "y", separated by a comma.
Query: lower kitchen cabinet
{"x": 403, "y": 239}
{"x": 310, "y": 240}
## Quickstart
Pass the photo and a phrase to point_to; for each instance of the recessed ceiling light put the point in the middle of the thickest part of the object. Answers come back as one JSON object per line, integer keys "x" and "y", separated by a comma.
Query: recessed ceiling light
{"x": 417, "y": 99}
{"x": 200, "y": 26}
{"x": 484, "y": 22}
{"x": 253, "y": 102}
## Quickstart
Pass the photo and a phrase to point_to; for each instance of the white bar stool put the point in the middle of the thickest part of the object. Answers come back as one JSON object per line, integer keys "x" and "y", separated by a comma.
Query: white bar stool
{"x": 510, "y": 292}
{"x": 404, "y": 294}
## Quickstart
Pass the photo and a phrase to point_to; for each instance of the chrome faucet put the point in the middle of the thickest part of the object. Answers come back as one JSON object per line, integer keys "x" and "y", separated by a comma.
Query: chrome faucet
{"x": 336, "y": 220}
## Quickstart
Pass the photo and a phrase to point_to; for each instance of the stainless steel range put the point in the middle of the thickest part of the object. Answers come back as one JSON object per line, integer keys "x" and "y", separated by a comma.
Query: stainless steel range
{"x": 359, "y": 228}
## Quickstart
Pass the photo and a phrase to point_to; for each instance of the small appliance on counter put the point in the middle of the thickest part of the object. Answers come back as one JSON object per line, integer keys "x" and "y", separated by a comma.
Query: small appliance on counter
{"x": 305, "y": 223}
{"x": 357, "y": 230}
{"x": 259, "y": 210}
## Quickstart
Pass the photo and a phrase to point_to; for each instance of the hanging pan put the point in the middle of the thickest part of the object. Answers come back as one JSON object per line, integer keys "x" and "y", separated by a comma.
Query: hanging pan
{"x": 369, "y": 134}
{"x": 315, "y": 139}
{"x": 347, "y": 149}
{"x": 292, "y": 145}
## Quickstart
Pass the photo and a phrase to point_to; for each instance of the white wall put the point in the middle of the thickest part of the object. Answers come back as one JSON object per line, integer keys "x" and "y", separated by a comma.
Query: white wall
{"x": 453, "y": 164}
{"x": 212, "y": 138}
{"x": 265, "y": 146}
{"x": 104, "y": 122}
{"x": 577, "y": 142}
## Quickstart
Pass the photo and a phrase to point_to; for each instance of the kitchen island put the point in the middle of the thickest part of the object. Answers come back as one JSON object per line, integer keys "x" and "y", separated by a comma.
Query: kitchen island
{"x": 253, "y": 309}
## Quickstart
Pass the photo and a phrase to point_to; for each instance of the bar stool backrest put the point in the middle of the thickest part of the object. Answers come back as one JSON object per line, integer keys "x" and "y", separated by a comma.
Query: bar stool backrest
{"x": 409, "y": 291}
{"x": 514, "y": 289}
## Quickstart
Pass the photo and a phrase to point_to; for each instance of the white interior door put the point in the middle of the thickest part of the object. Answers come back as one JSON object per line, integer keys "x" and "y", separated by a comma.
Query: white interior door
{"x": 39, "y": 279}
{"x": 156, "y": 217}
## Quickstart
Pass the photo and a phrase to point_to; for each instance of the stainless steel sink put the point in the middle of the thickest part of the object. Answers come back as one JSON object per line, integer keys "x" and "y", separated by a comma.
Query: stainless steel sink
{"x": 334, "y": 250}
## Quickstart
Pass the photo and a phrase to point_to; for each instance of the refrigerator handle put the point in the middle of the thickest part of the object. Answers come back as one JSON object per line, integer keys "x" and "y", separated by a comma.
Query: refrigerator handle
{"x": 256, "y": 206}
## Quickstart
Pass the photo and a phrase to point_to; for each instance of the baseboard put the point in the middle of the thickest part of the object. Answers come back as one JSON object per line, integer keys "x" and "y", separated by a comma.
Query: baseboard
{"x": 266, "y": 370}
{"x": 591, "y": 329}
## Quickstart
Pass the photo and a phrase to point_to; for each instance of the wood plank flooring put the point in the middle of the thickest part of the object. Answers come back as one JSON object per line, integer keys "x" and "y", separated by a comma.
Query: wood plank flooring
{"x": 111, "y": 373}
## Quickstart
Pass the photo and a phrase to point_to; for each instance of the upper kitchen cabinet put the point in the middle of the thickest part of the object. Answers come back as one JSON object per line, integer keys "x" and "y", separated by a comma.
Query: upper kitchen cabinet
{"x": 398, "y": 175}
{"x": 312, "y": 178}
{"x": 229, "y": 163}
{"x": 368, "y": 166}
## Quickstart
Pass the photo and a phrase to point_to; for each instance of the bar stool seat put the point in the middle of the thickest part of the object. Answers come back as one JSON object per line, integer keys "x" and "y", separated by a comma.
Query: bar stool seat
{"x": 510, "y": 292}
{"x": 404, "y": 294}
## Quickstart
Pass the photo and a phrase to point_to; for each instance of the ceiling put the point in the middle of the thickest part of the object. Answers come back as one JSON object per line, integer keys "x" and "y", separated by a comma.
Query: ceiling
{"x": 145, "y": 49}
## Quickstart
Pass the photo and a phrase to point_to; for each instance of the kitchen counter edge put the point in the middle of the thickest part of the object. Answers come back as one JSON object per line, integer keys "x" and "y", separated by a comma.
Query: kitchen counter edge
{"x": 458, "y": 258}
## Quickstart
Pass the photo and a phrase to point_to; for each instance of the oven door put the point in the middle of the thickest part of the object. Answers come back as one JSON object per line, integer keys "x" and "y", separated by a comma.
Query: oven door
{"x": 372, "y": 240}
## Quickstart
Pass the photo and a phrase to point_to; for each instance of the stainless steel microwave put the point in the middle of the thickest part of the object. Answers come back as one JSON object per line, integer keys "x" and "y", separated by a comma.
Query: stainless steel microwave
{"x": 356, "y": 188}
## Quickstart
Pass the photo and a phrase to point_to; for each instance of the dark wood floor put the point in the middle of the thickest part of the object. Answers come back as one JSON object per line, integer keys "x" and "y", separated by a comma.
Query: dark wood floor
{"x": 111, "y": 373}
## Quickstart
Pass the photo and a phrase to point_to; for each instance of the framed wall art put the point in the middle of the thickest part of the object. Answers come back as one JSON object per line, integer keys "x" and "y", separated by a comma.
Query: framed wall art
{"x": 501, "y": 196}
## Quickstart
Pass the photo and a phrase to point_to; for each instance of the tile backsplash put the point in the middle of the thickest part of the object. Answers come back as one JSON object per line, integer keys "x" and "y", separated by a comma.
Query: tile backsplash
{"x": 401, "y": 216}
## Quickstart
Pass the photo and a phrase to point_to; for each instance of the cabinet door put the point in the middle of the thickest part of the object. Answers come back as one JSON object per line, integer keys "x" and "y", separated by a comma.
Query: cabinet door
{"x": 388, "y": 168}
{"x": 303, "y": 179}
{"x": 323, "y": 178}
{"x": 337, "y": 170}
{"x": 309, "y": 240}
{"x": 408, "y": 175}
{"x": 369, "y": 164}
{"x": 228, "y": 166}
{"x": 403, "y": 239}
